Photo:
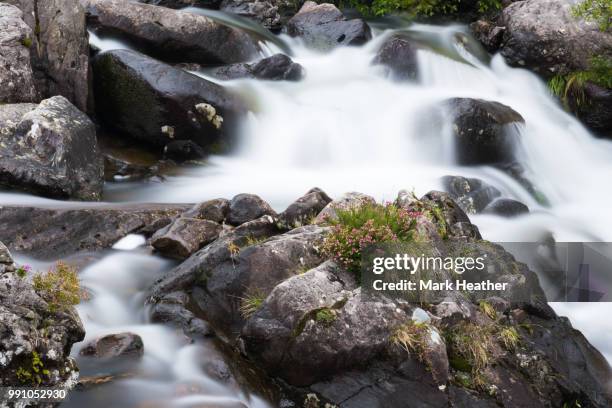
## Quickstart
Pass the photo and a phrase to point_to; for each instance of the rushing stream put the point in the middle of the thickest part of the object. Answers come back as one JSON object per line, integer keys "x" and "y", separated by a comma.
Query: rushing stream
{"x": 346, "y": 127}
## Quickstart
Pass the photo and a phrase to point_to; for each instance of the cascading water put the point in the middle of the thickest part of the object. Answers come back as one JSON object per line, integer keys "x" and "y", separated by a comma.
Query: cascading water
{"x": 346, "y": 127}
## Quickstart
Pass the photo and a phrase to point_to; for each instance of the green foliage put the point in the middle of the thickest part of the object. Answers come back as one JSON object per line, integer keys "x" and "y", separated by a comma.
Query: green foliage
{"x": 509, "y": 338}
{"x": 598, "y": 11}
{"x": 411, "y": 337}
{"x": 369, "y": 224}
{"x": 251, "y": 304}
{"x": 325, "y": 316}
{"x": 488, "y": 309}
{"x": 426, "y": 8}
{"x": 32, "y": 373}
{"x": 572, "y": 85}
{"x": 22, "y": 271}
{"x": 59, "y": 287}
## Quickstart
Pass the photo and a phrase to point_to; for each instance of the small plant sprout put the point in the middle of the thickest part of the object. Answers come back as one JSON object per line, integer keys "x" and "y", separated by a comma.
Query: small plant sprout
{"x": 23, "y": 270}
{"x": 59, "y": 287}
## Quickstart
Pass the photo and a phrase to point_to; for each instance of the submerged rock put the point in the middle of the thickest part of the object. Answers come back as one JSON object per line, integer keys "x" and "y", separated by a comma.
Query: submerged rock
{"x": 399, "y": 55}
{"x": 51, "y": 150}
{"x": 36, "y": 340}
{"x": 183, "y": 150}
{"x": 483, "y": 131}
{"x": 323, "y": 26}
{"x": 544, "y": 36}
{"x": 171, "y": 35}
{"x": 48, "y": 233}
{"x": 112, "y": 346}
{"x": 159, "y": 104}
{"x": 506, "y": 208}
{"x": 278, "y": 67}
{"x": 16, "y": 74}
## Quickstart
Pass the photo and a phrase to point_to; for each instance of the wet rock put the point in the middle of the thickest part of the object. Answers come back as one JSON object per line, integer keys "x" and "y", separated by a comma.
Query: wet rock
{"x": 214, "y": 210}
{"x": 304, "y": 210}
{"x": 116, "y": 169}
{"x": 179, "y": 4}
{"x": 346, "y": 202}
{"x": 262, "y": 11}
{"x": 16, "y": 74}
{"x": 596, "y": 109}
{"x": 399, "y": 55}
{"x": 171, "y": 35}
{"x": 50, "y": 150}
{"x": 506, "y": 207}
{"x": 172, "y": 310}
{"x": 278, "y": 67}
{"x": 183, "y": 150}
{"x": 472, "y": 194}
{"x": 33, "y": 335}
{"x": 48, "y": 233}
{"x": 247, "y": 207}
{"x": 112, "y": 346}
{"x": 252, "y": 272}
{"x": 323, "y": 26}
{"x": 157, "y": 103}
{"x": 489, "y": 34}
{"x": 484, "y": 131}
{"x": 544, "y": 36}
{"x": 184, "y": 237}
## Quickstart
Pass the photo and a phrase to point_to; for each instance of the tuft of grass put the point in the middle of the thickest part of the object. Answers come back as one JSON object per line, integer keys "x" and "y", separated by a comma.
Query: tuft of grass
{"x": 59, "y": 287}
{"x": 571, "y": 86}
{"x": 598, "y": 11}
{"x": 488, "y": 309}
{"x": 509, "y": 338}
{"x": 251, "y": 303}
{"x": 411, "y": 337}
{"x": 251, "y": 240}
{"x": 470, "y": 347}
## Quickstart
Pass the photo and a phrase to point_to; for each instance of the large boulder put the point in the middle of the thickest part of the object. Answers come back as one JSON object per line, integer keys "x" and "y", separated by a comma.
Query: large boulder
{"x": 304, "y": 210}
{"x": 51, "y": 150}
{"x": 48, "y": 233}
{"x": 185, "y": 236}
{"x": 399, "y": 55}
{"x": 36, "y": 339}
{"x": 60, "y": 48}
{"x": 263, "y": 11}
{"x": 16, "y": 77}
{"x": 247, "y": 207}
{"x": 484, "y": 131}
{"x": 545, "y": 37}
{"x": 158, "y": 104}
{"x": 323, "y": 26}
{"x": 278, "y": 67}
{"x": 171, "y": 35}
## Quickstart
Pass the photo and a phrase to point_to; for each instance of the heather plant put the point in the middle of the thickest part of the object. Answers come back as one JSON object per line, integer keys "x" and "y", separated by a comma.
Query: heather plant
{"x": 59, "y": 287}
{"x": 356, "y": 229}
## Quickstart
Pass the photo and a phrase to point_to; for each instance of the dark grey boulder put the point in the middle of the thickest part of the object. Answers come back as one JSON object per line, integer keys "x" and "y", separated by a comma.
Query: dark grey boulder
{"x": 595, "y": 108}
{"x": 112, "y": 346}
{"x": 214, "y": 210}
{"x": 183, "y": 150}
{"x": 48, "y": 233}
{"x": 31, "y": 332}
{"x": 264, "y": 12}
{"x": 506, "y": 208}
{"x": 472, "y": 194}
{"x": 171, "y": 35}
{"x": 51, "y": 150}
{"x": 184, "y": 237}
{"x": 323, "y": 26}
{"x": 158, "y": 104}
{"x": 171, "y": 309}
{"x": 484, "y": 132}
{"x": 247, "y": 207}
{"x": 278, "y": 67}
{"x": 16, "y": 74}
{"x": 304, "y": 210}
{"x": 399, "y": 55}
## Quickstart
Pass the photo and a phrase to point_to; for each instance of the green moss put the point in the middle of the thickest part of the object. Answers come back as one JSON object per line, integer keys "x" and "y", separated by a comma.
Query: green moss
{"x": 598, "y": 11}
{"x": 59, "y": 287}
{"x": 32, "y": 373}
{"x": 26, "y": 42}
{"x": 325, "y": 316}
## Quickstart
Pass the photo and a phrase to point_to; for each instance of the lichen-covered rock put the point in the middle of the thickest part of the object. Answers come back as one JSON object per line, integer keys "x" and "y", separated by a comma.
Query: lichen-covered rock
{"x": 323, "y": 26}
{"x": 247, "y": 207}
{"x": 158, "y": 104}
{"x": 399, "y": 55}
{"x": 16, "y": 77}
{"x": 184, "y": 237}
{"x": 278, "y": 67}
{"x": 113, "y": 346}
{"x": 48, "y": 233}
{"x": 347, "y": 202}
{"x": 483, "y": 131}
{"x": 262, "y": 11}
{"x": 472, "y": 194}
{"x": 36, "y": 340}
{"x": 544, "y": 36}
{"x": 304, "y": 210}
{"x": 171, "y": 35}
{"x": 214, "y": 210}
{"x": 50, "y": 150}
